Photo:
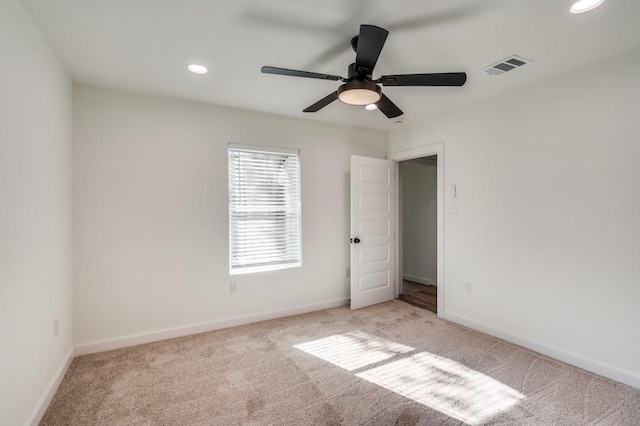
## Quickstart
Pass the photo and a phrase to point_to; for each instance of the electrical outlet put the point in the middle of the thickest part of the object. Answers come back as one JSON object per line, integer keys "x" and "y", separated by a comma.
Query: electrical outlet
{"x": 233, "y": 287}
{"x": 347, "y": 273}
{"x": 467, "y": 288}
{"x": 56, "y": 329}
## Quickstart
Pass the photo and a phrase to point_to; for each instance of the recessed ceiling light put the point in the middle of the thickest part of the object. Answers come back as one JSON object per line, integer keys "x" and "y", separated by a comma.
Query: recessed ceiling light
{"x": 197, "y": 69}
{"x": 581, "y": 6}
{"x": 371, "y": 107}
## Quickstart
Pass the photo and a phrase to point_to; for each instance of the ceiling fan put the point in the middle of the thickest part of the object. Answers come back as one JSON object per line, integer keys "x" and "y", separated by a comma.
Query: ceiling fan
{"x": 359, "y": 88}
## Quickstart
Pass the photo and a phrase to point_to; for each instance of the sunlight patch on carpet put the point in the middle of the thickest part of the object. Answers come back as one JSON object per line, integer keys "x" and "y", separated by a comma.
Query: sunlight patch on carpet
{"x": 353, "y": 350}
{"x": 434, "y": 381}
{"x": 446, "y": 386}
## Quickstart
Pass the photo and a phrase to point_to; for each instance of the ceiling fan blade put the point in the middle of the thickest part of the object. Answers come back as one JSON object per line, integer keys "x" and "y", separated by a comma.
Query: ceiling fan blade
{"x": 296, "y": 73}
{"x": 388, "y": 108}
{"x": 329, "y": 54}
{"x": 438, "y": 79}
{"x": 271, "y": 16}
{"x": 370, "y": 43}
{"x": 322, "y": 102}
{"x": 443, "y": 17}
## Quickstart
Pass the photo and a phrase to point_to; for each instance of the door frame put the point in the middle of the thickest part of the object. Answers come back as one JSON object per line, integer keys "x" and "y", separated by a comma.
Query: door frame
{"x": 409, "y": 154}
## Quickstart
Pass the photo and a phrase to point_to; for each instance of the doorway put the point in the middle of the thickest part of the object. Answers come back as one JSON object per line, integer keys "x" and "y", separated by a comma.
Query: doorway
{"x": 418, "y": 230}
{"x": 434, "y": 280}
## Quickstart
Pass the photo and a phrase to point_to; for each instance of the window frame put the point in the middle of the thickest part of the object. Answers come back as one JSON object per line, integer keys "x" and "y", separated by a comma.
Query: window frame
{"x": 273, "y": 266}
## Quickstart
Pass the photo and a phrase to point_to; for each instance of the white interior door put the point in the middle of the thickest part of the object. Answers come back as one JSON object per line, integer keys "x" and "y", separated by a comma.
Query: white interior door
{"x": 372, "y": 231}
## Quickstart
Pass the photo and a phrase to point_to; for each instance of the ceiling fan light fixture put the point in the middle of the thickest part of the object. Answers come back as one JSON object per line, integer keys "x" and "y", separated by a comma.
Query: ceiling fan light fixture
{"x": 581, "y": 6}
{"x": 360, "y": 93}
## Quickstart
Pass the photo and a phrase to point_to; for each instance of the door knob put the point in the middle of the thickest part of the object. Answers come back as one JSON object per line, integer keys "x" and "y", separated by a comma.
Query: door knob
{"x": 355, "y": 240}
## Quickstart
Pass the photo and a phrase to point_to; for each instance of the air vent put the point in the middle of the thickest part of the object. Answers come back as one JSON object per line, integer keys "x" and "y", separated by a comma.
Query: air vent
{"x": 509, "y": 64}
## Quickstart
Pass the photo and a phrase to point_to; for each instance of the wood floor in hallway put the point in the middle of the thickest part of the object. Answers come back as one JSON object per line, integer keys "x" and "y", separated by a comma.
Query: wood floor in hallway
{"x": 420, "y": 295}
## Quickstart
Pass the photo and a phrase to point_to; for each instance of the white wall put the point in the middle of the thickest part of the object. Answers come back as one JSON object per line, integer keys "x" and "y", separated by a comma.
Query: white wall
{"x": 35, "y": 217}
{"x": 419, "y": 221}
{"x": 151, "y": 214}
{"x": 548, "y": 205}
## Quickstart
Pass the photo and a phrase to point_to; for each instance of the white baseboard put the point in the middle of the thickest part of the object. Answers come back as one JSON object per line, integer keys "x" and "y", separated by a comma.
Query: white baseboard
{"x": 50, "y": 391}
{"x": 596, "y": 367}
{"x": 123, "y": 342}
{"x": 419, "y": 280}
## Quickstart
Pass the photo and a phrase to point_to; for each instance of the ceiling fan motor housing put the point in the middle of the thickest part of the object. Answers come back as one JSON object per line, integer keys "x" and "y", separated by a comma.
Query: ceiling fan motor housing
{"x": 359, "y": 92}
{"x": 358, "y": 73}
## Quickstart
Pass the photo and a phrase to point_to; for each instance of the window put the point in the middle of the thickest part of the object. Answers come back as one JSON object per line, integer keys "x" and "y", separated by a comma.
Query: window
{"x": 264, "y": 209}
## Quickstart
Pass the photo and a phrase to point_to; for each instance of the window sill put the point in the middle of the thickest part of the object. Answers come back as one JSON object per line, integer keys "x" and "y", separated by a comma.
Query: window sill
{"x": 269, "y": 268}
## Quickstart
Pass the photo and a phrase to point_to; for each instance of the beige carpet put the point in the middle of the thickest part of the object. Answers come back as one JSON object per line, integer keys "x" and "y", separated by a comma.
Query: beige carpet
{"x": 391, "y": 364}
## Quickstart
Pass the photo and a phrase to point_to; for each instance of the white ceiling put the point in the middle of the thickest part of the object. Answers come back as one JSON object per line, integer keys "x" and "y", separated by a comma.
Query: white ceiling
{"x": 145, "y": 45}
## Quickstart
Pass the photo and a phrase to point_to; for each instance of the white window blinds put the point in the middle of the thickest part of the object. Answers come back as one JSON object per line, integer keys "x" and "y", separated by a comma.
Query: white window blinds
{"x": 264, "y": 209}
